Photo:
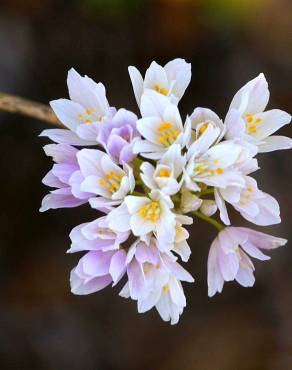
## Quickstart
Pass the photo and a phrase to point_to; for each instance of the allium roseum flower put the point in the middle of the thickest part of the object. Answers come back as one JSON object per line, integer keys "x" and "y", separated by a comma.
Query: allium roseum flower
{"x": 150, "y": 175}
{"x": 65, "y": 176}
{"x": 170, "y": 80}
{"x": 229, "y": 256}
{"x": 248, "y": 120}
{"x": 118, "y": 135}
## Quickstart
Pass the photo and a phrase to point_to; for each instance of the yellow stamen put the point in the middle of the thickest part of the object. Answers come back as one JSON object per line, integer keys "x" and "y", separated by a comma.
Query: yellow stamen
{"x": 164, "y": 126}
{"x": 161, "y": 90}
{"x": 150, "y": 212}
{"x": 165, "y": 288}
{"x": 219, "y": 171}
{"x": 164, "y": 173}
{"x": 251, "y": 129}
{"x": 111, "y": 181}
{"x": 167, "y": 134}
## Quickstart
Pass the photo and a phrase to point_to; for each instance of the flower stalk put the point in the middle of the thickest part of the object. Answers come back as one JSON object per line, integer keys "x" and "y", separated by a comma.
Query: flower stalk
{"x": 18, "y": 105}
{"x": 208, "y": 219}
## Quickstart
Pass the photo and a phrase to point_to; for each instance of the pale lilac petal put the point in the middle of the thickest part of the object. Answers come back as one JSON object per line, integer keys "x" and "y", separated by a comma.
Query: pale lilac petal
{"x": 229, "y": 265}
{"x": 81, "y": 287}
{"x": 215, "y": 279}
{"x": 253, "y": 251}
{"x": 61, "y": 153}
{"x": 118, "y": 265}
{"x": 63, "y": 136}
{"x": 51, "y": 180}
{"x": 136, "y": 278}
{"x": 60, "y": 198}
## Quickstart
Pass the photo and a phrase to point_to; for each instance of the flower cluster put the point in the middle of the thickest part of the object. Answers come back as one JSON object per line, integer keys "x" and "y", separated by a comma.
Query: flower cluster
{"x": 149, "y": 174}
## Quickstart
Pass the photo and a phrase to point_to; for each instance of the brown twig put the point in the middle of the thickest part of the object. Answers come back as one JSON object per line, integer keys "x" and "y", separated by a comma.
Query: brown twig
{"x": 15, "y": 104}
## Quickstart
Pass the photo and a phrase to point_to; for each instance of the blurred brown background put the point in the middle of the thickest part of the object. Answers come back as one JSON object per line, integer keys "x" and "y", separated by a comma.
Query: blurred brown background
{"x": 43, "y": 326}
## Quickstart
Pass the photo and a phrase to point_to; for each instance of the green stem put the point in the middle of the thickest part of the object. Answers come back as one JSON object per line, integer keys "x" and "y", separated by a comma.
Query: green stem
{"x": 204, "y": 192}
{"x": 211, "y": 221}
{"x": 138, "y": 193}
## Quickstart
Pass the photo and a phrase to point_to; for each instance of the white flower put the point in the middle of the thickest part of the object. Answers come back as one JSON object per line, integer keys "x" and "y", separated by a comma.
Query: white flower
{"x": 253, "y": 204}
{"x": 83, "y": 114}
{"x": 165, "y": 175}
{"x": 104, "y": 177}
{"x": 248, "y": 120}
{"x": 143, "y": 215}
{"x": 180, "y": 245}
{"x": 161, "y": 126}
{"x": 215, "y": 167}
{"x": 170, "y": 80}
{"x": 201, "y": 118}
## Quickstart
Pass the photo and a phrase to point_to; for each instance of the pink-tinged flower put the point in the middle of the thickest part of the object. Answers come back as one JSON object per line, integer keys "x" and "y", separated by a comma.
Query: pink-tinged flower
{"x": 118, "y": 135}
{"x": 154, "y": 279}
{"x": 104, "y": 178}
{"x": 248, "y": 120}
{"x": 161, "y": 126}
{"x": 96, "y": 235}
{"x": 96, "y": 270}
{"x": 229, "y": 256}
{"x": 144, "y": 215}
{"x": 66, "y": 177}
{"x": 253, "y": 204}
{"x": 83, "y": 114}
{"x": 170, "y": 80}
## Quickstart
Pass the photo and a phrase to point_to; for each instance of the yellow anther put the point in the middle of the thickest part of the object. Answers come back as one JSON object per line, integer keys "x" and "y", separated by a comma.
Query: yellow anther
{"x": 219, "y": 171}
{"x": 156, "y": 87}
{"x": 165, "y": 288}
{"x": 146, "y": 267}
{"x": 177, "y": 232}
{"x": 161, "y": 90}
{"x": 142, "y": 211}
{"x": 250, "y": 189}
{"x": 109, "y": 175}
{"x": 258, "y": 120}
{"x": 164, "y": 126}
{"x": 80, "y": 116}
{"x": 164, "y": 173}
{"x": 167, "y": 133}
{"x": 242, "y": 203}
{"x": 203, "y": 128}
{"x": 249, "y": 119}
{"x": 88, "y": 120}
{"x": 212, "y": 172}
{"x": 252, "y": 129}
{"x": 175, "y": 134}
{"x": 88, "y": 111}
{"x": 112, "y": 181}
{"x": 161, "y": 139}
{"x": 150, "y": 212}
{"x": 216, "y": 161}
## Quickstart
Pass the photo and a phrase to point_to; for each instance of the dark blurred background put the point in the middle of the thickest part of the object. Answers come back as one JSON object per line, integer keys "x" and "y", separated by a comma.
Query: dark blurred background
{"x": 42, "y": 325}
